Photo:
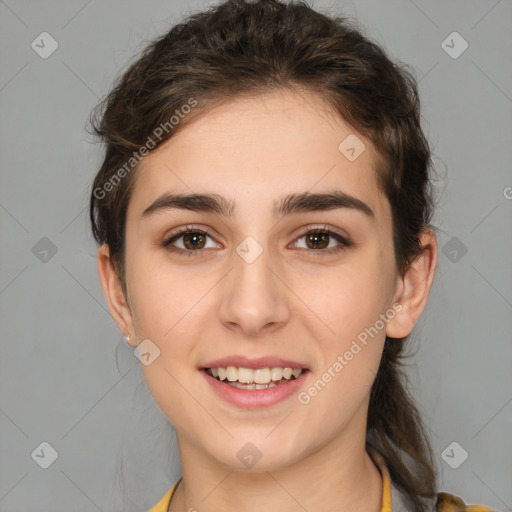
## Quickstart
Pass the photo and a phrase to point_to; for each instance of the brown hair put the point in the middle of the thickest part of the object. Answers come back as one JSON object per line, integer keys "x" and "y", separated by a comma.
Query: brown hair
{"x": 240, "y": 47}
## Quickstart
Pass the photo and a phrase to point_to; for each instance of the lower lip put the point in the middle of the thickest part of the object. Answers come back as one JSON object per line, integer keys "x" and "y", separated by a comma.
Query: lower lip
{"x": 255, "y": 398}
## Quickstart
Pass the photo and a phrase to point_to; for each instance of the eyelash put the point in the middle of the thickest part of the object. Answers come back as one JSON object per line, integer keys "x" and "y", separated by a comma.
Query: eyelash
{"x": 345, "y": 242}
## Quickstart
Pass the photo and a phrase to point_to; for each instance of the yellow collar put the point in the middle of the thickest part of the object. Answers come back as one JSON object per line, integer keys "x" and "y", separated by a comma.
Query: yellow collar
{"x": 386, "y": 479}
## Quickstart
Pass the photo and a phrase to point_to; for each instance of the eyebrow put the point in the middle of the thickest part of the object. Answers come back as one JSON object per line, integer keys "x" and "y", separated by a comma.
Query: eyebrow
{"x": 290, "y": 204}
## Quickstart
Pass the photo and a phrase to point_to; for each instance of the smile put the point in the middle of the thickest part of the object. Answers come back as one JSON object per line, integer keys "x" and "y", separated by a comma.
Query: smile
{"x": 258, "y": 378}
{"x": 257, "y": 388}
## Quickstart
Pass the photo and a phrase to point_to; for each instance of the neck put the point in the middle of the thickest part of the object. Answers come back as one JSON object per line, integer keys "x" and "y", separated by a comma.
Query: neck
{"x": 341, "y": 476}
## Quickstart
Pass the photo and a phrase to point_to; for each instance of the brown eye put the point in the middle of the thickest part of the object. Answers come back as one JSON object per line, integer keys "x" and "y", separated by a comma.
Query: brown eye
{"x": 193, "y": 242}
{"x": 318, "y": 240}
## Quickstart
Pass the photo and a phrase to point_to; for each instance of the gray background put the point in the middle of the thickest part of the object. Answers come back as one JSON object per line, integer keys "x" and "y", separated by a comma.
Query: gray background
{"x": 68, "y": 378}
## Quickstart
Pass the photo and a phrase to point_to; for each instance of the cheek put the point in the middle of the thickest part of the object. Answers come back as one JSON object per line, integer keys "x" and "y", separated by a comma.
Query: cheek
{"x": 164, "y": 312}
{"x": 345, "y": 302}
{"x": 349, "y": 334}
{"x": 168, "y": 308}
{"x": 341, "y": 392}
{"x": 162, "y": 297}
{"x": 349, "y": 344}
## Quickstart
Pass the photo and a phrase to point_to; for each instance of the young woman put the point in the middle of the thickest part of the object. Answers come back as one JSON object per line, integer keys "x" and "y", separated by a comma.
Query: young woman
{"x": 263, "y": 213}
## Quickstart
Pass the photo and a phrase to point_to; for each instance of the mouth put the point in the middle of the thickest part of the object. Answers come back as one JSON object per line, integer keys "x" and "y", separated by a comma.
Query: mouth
{"x": 257, "y": 378}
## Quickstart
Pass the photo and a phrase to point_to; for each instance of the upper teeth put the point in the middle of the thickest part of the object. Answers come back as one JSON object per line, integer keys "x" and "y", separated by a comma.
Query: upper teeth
{"x": 258, "y": 376}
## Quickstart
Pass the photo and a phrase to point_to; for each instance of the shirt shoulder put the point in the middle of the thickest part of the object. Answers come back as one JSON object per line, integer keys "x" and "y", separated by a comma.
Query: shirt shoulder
{"x": 447, "y": 502}
{"x": 163, "y": 504}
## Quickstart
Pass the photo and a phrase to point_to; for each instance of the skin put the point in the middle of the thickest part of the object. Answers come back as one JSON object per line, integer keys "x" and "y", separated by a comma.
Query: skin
{"x": 289, "y": 302}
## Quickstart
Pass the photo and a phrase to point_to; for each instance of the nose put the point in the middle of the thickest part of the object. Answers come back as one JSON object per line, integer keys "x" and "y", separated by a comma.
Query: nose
{"x": 254, "y": 300}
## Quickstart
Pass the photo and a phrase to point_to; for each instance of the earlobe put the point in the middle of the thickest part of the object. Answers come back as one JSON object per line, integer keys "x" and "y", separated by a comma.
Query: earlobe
{"x": 114, "y": 294}
{"x": 415, "y": 287}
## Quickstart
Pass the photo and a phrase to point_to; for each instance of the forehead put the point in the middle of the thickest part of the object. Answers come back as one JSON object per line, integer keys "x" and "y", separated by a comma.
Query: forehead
{"x": 256, "y": 149}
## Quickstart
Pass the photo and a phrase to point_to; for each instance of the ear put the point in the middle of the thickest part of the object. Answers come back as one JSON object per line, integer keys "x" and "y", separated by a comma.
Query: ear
{"x": 114, "y": 294}
{"x": 414, "y": 287}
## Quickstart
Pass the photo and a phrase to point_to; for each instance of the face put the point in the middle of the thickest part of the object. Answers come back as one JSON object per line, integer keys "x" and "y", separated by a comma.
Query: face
{"x": 261, "y": 283}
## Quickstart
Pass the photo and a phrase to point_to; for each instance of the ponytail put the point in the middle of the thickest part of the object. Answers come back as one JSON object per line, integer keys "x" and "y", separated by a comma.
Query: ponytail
{"x": 395, "y": 430}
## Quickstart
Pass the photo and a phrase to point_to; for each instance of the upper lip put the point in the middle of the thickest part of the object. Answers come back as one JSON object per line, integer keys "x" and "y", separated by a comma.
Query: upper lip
{"x": 259, "y": 362}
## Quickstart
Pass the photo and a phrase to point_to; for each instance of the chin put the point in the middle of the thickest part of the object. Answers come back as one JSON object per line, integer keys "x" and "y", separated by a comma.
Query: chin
{"x": 256, "y": 456}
